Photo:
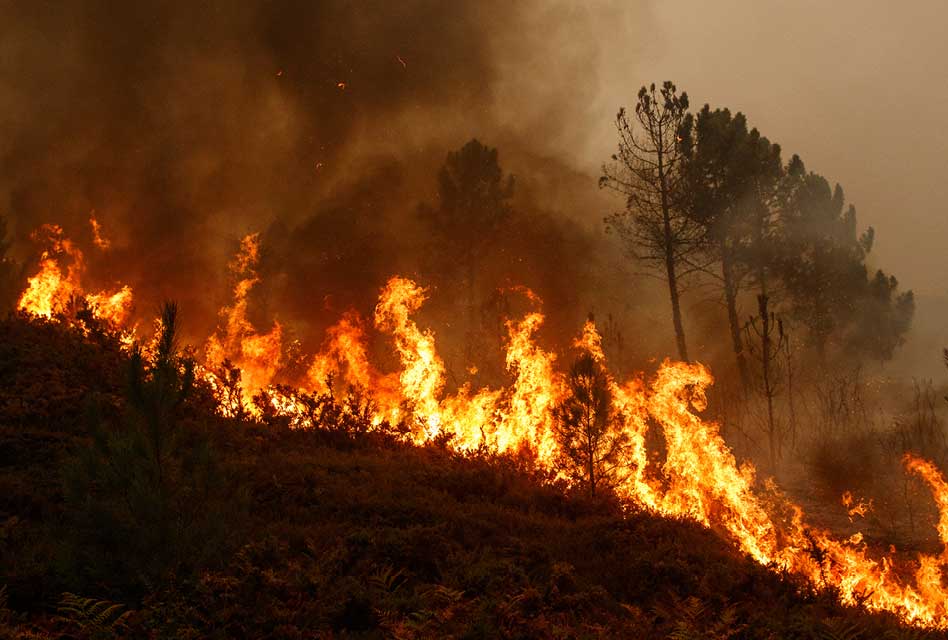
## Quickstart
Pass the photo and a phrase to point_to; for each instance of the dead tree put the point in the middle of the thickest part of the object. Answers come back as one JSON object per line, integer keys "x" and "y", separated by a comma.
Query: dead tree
{"x": 766, "y": 340}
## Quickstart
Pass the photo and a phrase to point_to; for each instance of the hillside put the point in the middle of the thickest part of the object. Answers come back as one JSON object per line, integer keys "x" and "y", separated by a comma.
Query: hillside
{"x": 347, "y": 534}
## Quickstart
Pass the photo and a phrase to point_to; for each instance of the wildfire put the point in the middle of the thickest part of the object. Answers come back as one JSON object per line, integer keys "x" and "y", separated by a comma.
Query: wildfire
{"x": 855, "y": 508}
{"x": 257, "y": 355}
{"x": 50, "y": 290}
{"x": 343, "y": 356}
{"x": 57, "y": 283}
{"x": 98, "y": 239}
{"x": 699, "y": 478}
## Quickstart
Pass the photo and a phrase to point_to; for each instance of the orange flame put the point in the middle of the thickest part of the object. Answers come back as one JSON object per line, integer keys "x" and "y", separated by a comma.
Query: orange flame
{"x": 257, "y": 355}
{"x": 112, "y": 308}
{"x": 98, "y": 239}
{"x": 854, "y": 508}
{"x": 51, "y": 291}
{"x": 699, "y": 479}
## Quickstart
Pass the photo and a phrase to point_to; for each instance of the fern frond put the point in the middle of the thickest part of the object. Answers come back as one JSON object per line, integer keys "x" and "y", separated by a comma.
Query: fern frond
{"x": 387, "y": 579}
{"x": 837, "y": 629}
{"x": 92, "y": 615}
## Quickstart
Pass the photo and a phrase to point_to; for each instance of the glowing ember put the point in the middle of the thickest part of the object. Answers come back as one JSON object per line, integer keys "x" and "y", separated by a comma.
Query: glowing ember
{"x": 97, "y": 238}
{"x": 855, "y": 508}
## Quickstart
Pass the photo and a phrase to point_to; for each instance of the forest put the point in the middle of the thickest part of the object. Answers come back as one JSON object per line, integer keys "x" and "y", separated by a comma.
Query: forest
{"x": 275, "y": 372}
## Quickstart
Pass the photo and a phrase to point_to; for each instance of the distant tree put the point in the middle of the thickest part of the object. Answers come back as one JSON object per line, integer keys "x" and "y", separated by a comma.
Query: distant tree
{"x": 647, "y": 171}
{"x": 473, "y": 202}
{"x": 142, "y": 495}
{"x": 821, "y": 264}
{"x": 586, "y": 427}
{"x": 731, "y": 175}
{"x": 883, "y": 318}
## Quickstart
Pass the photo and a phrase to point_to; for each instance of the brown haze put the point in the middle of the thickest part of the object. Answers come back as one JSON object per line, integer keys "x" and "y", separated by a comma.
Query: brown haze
{"x": 322, "y": 125}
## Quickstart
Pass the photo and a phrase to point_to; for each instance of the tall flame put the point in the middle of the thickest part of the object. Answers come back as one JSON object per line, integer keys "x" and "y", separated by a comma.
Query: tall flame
{"x": 58, "y": 282}
{"x": 699, "y": 478}
{"x": 257, "y": 355}
{"x": 343, "y": 356}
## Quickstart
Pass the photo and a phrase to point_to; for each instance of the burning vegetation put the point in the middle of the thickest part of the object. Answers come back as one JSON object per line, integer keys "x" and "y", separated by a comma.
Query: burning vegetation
{"x": 583, "y": 425}
{"x": 407, "y": 393}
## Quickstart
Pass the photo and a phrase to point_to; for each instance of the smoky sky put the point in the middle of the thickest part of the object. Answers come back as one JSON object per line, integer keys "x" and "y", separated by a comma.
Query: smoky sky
{"x": 858, "y": 89}
{"x": 186, "y": 125}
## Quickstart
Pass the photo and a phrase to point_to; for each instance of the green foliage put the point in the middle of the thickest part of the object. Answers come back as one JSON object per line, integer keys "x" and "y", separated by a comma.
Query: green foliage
{"x": 587, "y": 428}
{"x": 147, "y": 495}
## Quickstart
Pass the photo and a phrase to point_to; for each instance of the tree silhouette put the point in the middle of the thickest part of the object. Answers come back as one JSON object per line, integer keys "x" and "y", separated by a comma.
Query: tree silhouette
{"x": 647, "y": 171}
{"x": 586, "y": 426}
{"x": 821, "y": 264}
{"x": 731, "y": 175}
{"x": 884, "y": 317}
{"x": 145, "y": 496}
{"x": 473, "y": 202}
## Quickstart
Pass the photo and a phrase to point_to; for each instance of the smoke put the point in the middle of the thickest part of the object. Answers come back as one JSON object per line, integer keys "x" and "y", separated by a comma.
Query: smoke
{"x": 183, "y": 127}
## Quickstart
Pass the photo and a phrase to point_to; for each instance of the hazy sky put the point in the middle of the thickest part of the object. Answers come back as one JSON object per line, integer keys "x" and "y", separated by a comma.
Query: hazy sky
{"x": 857, "y": 88}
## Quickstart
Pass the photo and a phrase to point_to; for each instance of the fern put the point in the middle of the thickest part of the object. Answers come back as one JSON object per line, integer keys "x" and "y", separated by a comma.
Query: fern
{"x": 837, "y": 629}
{"x": 440, "y": 603}
{"x": 5, "y": 613}
{"x": 95, "y": 618}
{"x": 908, "y": 634}
{"x": 387, "y": 579}
{"x": 692, "y": 619}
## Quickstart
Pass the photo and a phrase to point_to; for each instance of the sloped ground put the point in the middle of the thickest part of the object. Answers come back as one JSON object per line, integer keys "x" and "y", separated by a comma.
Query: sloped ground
{"x": 331, "y": 536}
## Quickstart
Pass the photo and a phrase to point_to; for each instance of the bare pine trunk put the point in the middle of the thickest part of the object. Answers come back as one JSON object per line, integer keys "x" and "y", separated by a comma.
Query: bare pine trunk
{"x": 670, "y": 261}
{"x": 766, "y": 357}
{"x": 730, "y": 298}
